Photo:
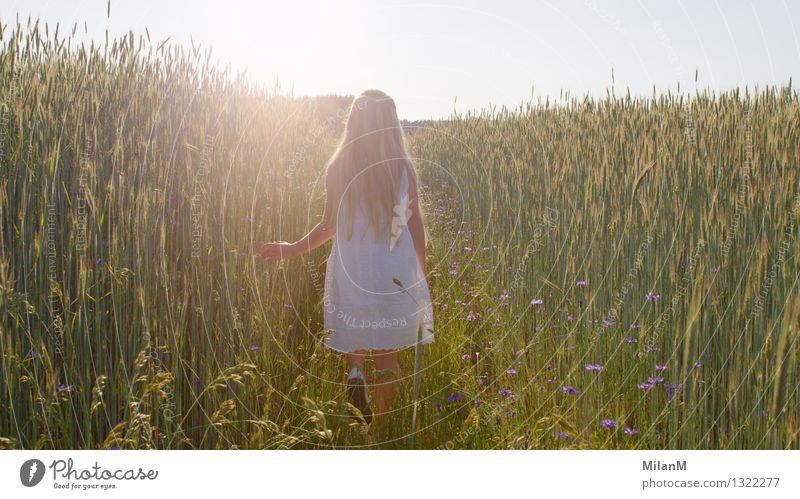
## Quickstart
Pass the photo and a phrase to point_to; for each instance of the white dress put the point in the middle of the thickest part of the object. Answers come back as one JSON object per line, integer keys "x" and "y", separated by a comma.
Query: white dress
{"x": 365, "y": 307}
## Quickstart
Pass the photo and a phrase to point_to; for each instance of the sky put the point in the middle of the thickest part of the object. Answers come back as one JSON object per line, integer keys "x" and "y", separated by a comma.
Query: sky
{"x": 439, "y": 57}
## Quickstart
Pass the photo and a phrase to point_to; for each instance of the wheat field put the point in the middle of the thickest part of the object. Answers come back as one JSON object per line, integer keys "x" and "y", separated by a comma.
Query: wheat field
{"x": 607, "y": 273}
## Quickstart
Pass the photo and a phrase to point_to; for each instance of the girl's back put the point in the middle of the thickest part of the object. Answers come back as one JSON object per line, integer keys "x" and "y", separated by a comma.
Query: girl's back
{"x": 376, "y": 296}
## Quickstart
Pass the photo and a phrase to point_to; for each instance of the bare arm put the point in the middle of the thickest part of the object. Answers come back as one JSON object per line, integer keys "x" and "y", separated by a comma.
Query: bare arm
{"x": 323, "y": 232}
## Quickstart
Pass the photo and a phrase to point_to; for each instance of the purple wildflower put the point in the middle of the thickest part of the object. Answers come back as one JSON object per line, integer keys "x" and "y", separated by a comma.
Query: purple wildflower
{"x": 630, "y": 340}
{"x": 471, "y": 317}
{"x": 562, "y": 435}
{"x": 645, "y": 386}
{"x": 569, "y": 390}
{"x": 661, "y": 368}
{"x": 288, "y": 306}
{"x": 537, "y": 301}
{"x": 506, "y": 392}
{"x": 594, "y": 367}
{"x": 672, "y": 389}
{"x": 654, "y": 380}
{"x": 511, "y": 372}
{"x": 608, "y": 423}
{"x": 455, "y": 397}
{"x": 631, "y": 431}
{"x": 581, "y": 283}
{"x": 653, "y": 296}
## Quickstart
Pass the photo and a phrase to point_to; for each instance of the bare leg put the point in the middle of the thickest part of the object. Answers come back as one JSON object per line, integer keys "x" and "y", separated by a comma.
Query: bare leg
{"x": 356, "y": 359}
{"x": 358, "y": 391}
{"x": 387, "y": 370}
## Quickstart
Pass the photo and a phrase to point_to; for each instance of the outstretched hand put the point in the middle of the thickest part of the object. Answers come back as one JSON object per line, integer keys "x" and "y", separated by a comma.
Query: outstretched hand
{"x": 280, "y": 250}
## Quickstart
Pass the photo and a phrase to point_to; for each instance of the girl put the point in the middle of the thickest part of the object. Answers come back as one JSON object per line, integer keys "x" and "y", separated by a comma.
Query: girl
{"x": 376, "y": 296}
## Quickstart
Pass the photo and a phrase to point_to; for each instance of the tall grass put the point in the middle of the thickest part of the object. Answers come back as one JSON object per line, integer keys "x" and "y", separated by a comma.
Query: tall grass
{"x": 138, "y": 181}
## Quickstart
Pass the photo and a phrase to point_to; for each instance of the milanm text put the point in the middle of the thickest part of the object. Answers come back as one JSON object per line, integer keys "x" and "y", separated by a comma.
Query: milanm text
{"x": 659, "y": 466}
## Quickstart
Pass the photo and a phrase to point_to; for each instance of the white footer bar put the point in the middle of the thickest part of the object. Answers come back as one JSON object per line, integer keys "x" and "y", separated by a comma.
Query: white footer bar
{"x": 389, "y": 474}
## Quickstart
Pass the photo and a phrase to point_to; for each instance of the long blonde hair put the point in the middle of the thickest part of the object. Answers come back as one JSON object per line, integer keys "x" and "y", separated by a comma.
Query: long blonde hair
{"x": 366, "y": 170}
